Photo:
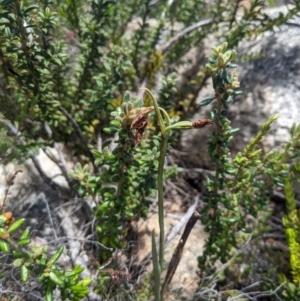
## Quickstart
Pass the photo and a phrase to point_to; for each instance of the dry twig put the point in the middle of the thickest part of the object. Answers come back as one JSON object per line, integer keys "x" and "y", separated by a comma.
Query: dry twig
{"x": 178, "y": 252}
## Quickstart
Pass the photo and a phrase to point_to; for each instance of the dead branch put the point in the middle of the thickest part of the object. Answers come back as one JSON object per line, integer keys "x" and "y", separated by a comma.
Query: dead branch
{"x": 164, "y": 48}
{"x": 178, "y": 252}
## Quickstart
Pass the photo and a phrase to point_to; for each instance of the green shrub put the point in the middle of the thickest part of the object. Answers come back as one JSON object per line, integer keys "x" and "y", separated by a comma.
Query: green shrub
{"x": 33, "y": 262}
{"x": 65, "y": 68}
{"x": 241, "y": 188}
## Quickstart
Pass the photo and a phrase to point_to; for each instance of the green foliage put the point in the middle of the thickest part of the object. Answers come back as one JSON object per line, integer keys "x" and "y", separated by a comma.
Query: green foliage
{"x": 130, "y": 172}
{"x": 65, "y": 66}
{"x": 33, "y": 262}
{"x": 130, "y": 168}
{"x": 241, "y": 186}
{"x": 291, "y": 221}
{"x": 63, "y": 70}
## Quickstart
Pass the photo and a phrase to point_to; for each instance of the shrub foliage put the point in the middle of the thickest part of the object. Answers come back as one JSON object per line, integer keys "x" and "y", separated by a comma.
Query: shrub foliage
{"x": 65, "y": 69}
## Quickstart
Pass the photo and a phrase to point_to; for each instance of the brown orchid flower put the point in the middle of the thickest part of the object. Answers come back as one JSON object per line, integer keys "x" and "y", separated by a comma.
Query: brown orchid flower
{"x": 201, "y": 123}
{"x": 139, "y": 123}
{"x": 140, "y": 118}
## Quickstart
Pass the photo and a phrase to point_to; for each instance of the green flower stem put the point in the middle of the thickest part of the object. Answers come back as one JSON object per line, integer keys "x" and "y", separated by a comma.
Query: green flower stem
{"x": 156, "y": 268}
{"x": 165, "y": 127}
{"x": 158, "y": 114}
{"x": 166, "y": 115}
{"x": 180, "y": 125}
{"x": 160, "y": 178}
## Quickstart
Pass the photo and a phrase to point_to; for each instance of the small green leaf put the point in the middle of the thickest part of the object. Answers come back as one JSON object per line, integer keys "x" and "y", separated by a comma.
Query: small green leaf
{"x": 24, "y": 242}
{"x": 110, "y": 130}
{"x": 77, "y": 288}
{"x": 3, "y": 220}
{"x": 225, "y": 96}
{"x": 138, "y": 103}
{"x": 106, "y": 66}
{"x": 54, "y": 278}
{"x": 206, "y": 101}
{"x": 16, "y": 225}
{"x": 110, "y": 161}
{"x": 114, "y": 114}
{"x": 4, "y": 21}
{"x": 115, "y": 123}
{"x": 85, "y": 282}
{"x": 55, "y": 256}
{"x": 18, "y": 262}
{"x": 81, "y": 294}
{"x": 18, "y": 254}
{"x": 24, "y": 239}
{"x": 38, "y": 251}
{"x": 233, "y": 130}
{"x": 230, "y": 171}
{"x": 49, "y": 293}
{"x": 228, "y": 80}
{"x": 30, "y": 9}
{"x": 76, "y": 270}
{"x": 24, "y": 273}
{"x": 237, "y": 92}
{"x": 25, "y": 234}
{"x": 2, "y": 231}
{"x": 4, "y": 246}
{"x": 212, "y": 61}
{"x": 291, "y": 287}
{"x": 231, "y": 65}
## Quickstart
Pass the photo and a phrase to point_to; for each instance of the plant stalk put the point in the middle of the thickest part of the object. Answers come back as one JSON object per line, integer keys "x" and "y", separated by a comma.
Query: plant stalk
{"x": 163, "y": 124}
{"x": 160, "y": 177}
